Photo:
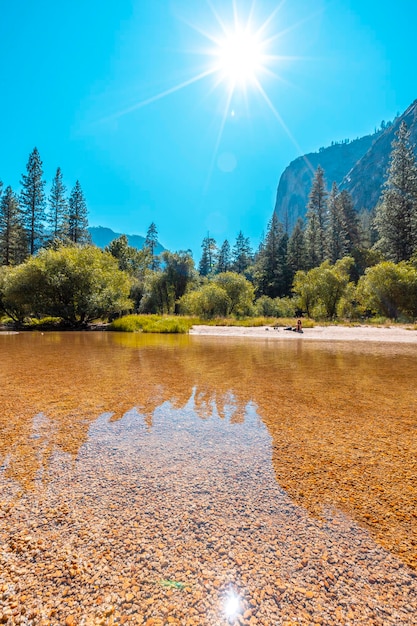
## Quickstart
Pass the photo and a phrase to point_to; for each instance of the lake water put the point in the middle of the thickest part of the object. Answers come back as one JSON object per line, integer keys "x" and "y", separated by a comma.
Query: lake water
{"x": 191, "y": 480}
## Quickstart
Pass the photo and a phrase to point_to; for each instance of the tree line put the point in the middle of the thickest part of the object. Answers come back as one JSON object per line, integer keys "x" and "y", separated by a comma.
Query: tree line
{"x": 336, "y": 262}
{"x": 29, "y": 220}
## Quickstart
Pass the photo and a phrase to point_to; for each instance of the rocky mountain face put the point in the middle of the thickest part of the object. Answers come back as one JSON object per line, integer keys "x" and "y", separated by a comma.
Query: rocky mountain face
{"x": 359, "y": 166}
{"x": 101, "y": 237}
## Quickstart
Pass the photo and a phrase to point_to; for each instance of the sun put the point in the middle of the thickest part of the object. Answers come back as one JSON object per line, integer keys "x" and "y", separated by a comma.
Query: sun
{"x": 239, "y": 57}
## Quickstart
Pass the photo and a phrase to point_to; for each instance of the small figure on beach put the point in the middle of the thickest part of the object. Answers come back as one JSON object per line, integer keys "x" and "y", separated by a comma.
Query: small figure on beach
{"x": 297, "y": 329}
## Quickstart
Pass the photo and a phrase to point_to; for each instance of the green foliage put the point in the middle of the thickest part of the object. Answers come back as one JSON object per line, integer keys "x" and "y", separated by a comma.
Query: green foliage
{"x": 77, "y": 284}
{"x": 226, "y": 294}
{"x": 319, "y": 290}
{"x": 77, "y": 219}
{"x": 58, "y": 209}
{"x": 209, "y": 301}
{"x": 208, "y": 256}
{"x": 315, "y": 235}
{"x": 275, "y": 307}
{"x": 129, "y": 258}
{"x": 151, "y": 242}
{"x": 163, "y": 289}
{"x": 13, "y": 242}
{"x": 271, "y": 273}
{"x": 239, "y": 290}
{"x": 336, "y": 232}
{"x": 44, "y": 323}
{"x": 396, "y": 217}
{"x": 224, "y": 263}
{"x": 297, "y": 259}
{"x": 151, "y": 324}
{"x": 32, "y": 201}
{"x": 241, "y": 254}
{"x": 390, "y": 290}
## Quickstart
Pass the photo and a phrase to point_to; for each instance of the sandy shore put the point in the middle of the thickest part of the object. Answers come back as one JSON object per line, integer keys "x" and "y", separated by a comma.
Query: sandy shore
{"x": 391, "y": 334}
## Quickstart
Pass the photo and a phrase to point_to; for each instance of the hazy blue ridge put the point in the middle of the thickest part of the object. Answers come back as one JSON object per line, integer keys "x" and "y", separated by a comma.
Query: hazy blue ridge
{"x": 102, "y": 236}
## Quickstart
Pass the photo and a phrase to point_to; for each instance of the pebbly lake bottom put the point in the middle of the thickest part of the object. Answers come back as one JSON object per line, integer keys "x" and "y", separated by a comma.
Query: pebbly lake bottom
{"x": 176, "y": 514}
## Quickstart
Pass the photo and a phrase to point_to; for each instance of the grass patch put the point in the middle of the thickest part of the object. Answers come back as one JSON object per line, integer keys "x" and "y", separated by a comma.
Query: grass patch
{"x": 152, "y": 324}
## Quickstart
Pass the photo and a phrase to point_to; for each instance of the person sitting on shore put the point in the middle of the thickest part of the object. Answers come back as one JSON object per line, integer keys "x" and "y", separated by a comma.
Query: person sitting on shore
{"x": 296, "y": 329}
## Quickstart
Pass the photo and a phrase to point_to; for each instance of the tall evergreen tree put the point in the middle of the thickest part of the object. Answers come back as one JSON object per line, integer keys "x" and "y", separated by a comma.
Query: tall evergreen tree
{"x": 351, "y": 219}
{"x": 316, "y": 221}
{"x": 224, "y": 263}
{"x": 271, "y": 271}
{"x": 296, "y": 248}
{"x": 208, "y": 257}
{"x": 151, "y": 241}
{"x": 13, "y": 243}
{"x": 58, "y": 208}
{"x": 241, "y": 254}
{"x": 32, "y": 201}
{"x": 77, "y": 220}
{"x": 336, "y": 233}
{"x": 396, "y": 217}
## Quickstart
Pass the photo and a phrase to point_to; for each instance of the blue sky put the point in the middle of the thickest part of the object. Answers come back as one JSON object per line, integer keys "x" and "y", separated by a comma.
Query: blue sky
{"x": 80, "y": 81}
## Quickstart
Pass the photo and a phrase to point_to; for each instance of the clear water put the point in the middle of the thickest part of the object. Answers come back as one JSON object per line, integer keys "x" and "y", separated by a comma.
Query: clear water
{"x": 191, "y": 480}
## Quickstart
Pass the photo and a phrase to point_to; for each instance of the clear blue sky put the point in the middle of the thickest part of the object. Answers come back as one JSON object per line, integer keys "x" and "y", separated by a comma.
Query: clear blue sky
{"x": 75, "y": 72}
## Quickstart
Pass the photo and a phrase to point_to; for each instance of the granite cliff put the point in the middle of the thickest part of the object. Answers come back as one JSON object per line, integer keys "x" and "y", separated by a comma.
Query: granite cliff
{"x": 358, "y": 166}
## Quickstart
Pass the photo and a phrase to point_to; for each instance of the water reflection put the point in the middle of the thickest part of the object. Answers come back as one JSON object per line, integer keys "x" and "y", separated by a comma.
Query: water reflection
{"x": 342, "y": 419}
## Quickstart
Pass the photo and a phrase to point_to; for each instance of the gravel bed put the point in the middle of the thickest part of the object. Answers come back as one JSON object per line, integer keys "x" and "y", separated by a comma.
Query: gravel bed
{"x": 183, "y": 523}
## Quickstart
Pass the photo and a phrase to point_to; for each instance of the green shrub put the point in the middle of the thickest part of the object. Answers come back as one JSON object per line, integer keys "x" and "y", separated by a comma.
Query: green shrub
{"x": 44, "y": 323}
{"x": 275, "y": 307}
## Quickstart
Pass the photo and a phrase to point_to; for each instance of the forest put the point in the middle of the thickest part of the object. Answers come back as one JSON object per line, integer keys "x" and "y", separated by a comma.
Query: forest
{"x": 337, "y": 264}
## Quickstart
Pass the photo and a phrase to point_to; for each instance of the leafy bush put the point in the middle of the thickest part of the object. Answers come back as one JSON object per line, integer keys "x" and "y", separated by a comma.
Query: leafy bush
{"x": 275, "y": 307}
{"x": 208, "y": 302}
{"x": 44, "y": 323}
{"x": 225, "y": 294}
{"x": 319, "y": 290}
{"x": 390, "y": 290}
{"x": 78, "y": 284}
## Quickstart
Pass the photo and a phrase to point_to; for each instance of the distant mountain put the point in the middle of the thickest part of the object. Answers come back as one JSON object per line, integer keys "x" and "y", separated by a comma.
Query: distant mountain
{"x": 359, "y": 166}
{"x": 102, "y": 236}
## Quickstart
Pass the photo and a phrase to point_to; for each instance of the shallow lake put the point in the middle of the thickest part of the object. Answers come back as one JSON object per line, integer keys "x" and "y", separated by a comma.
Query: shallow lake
{"x": 190, "y": 480}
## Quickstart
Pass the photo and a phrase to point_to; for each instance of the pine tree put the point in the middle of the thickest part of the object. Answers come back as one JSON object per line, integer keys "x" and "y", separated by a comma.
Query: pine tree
{"x": 271, "y": 271}
{"x": 351, "y": 219}
{"x": 58, "y": 208}
{"x": 224, "y": 263}
{"x": 208, "y": 257}
{"x": 296, "y": 248}
{"x": 316, "y": 221}
{"x": 241, "y": 254}
{"x": 396, "y": 217}
{"x": 32, "y": 201}
{"x": 336, "y": 233}
{"x": 13, "y": 243}
{"x": 77, "y": 219}
{"x": 151, "y": 241}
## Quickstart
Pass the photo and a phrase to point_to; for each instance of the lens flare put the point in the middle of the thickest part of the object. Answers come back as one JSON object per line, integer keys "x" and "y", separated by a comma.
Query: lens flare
{"x": 232, "y": 606}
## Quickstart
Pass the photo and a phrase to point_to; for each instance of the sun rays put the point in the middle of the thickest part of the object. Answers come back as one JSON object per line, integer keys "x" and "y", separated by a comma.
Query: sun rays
{"x": 236, "y": 55}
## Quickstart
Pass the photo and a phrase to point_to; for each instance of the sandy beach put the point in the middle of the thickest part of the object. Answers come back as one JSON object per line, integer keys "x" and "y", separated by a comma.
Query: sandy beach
{"x": 382, "y": 334}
